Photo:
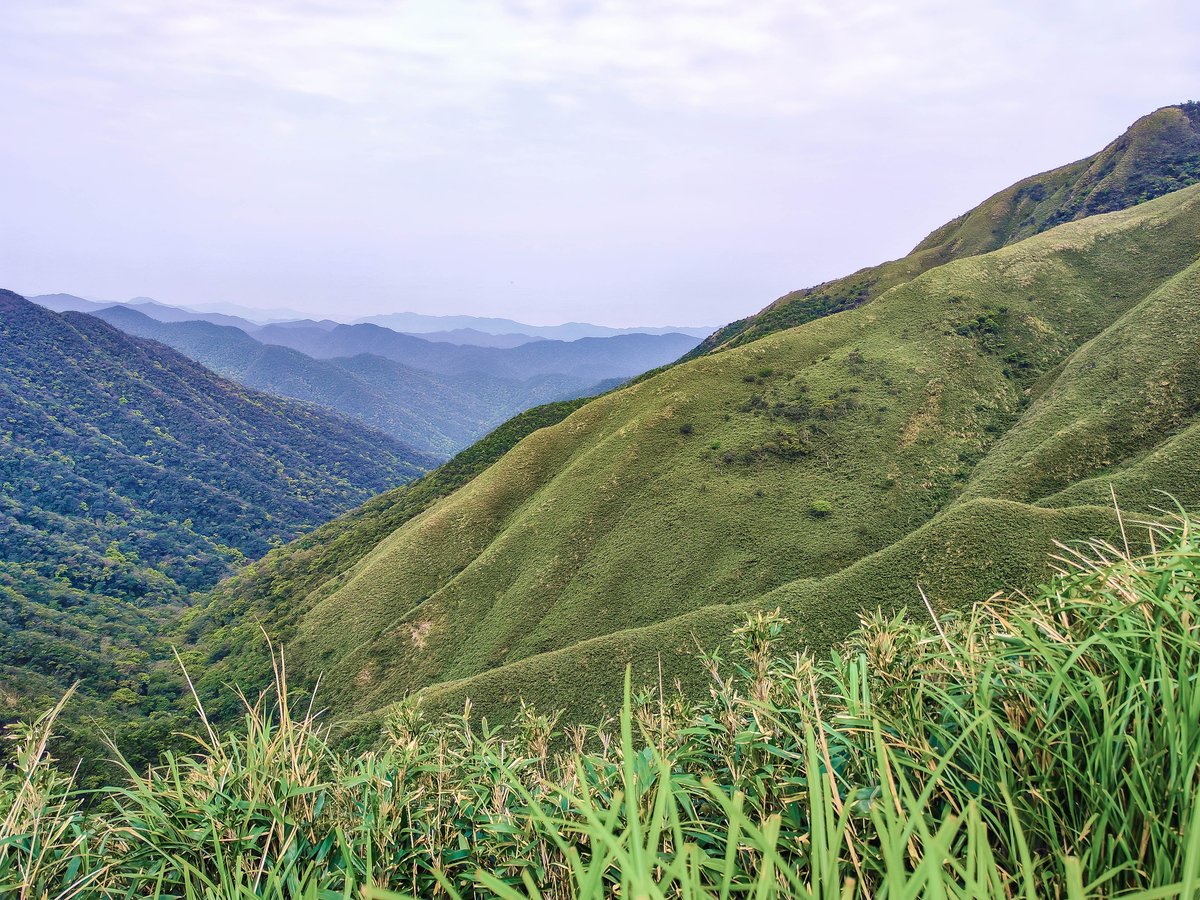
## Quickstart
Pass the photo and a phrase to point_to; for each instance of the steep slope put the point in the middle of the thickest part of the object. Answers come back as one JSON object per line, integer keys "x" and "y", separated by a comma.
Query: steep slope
{"x": 272, "y": 593}
{"x": 827, "y": 468}
{"x": 587, "y": 359}
{"x": 129, "y": 477}
{"x": 1158, "y": 154}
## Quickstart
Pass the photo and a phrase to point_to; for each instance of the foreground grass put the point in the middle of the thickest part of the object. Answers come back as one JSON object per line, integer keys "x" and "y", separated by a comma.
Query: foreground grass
{"x": 1040, "y": 747}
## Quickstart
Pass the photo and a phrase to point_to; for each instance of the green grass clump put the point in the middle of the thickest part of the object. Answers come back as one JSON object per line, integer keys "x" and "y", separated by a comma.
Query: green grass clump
{"x": 1036, "y": 747}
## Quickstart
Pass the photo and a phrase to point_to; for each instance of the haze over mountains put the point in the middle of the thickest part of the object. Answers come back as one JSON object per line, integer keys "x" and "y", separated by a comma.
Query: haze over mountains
{"x": 436, "y": 396}
{"x": 450, "y": 328}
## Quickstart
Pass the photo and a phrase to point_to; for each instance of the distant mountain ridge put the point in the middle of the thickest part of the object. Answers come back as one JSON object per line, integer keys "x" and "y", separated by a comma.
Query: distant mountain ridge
{"x": 144, "y": 305}
{"x": 473, "y": 338}
{"x": 439, "y": 414}
{"x": 417, "y": 323}
{"x": 469, "y": 330}
{"x": 589, "y": 358}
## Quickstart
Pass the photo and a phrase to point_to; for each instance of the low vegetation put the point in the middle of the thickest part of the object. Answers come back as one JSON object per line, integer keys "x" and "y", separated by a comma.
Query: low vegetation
{"x": 1034, "y": 747}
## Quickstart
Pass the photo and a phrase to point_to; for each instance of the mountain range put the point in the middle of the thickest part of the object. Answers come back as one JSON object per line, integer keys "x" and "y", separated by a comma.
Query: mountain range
{"x": 438, "y": 397}
{"x": 925, "y": 429}
{"x": 417, "y": 323}
{"x": 917, "y": 434}
{"x": 472, "y": 330}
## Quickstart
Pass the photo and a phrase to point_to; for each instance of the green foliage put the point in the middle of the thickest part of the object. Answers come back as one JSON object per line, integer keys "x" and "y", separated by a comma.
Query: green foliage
{"x": 1043, "y": 747}
{"x": 820, "y": 508}
{"x": 132, "y": 477}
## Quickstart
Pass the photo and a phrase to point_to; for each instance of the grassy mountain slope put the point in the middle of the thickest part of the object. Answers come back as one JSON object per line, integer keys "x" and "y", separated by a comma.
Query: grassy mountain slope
{"x": 1158, "y": 154}
{"x": 272, "y": 594}
{"x": 129, "y": 477}
{"x": 824, "y": 468}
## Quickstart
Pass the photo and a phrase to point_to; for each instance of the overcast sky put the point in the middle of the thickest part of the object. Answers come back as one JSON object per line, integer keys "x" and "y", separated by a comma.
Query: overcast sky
{"x": 628, "y": 162}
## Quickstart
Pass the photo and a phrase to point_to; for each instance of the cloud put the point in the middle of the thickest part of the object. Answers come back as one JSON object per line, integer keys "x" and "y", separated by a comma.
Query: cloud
{"x": 752, "y": 57}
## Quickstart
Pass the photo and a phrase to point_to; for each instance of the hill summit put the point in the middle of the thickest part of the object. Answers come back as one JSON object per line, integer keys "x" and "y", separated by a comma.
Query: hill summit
{"x": 1158, "y": 154}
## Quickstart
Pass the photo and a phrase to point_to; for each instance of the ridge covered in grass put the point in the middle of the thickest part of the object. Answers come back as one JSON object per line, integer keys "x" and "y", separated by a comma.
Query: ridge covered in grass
{"x": 1158, "y": 154}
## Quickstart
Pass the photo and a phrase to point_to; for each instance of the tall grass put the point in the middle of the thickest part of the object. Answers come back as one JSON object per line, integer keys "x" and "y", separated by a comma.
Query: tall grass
{"x": 1037, "y": 747}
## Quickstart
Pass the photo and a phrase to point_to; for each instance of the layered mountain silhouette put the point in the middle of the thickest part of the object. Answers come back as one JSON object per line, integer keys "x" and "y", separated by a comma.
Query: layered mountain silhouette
{"x": 439, "y": 397}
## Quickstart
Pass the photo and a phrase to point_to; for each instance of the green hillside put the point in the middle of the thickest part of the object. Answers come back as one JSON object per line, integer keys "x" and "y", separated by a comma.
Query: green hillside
{"x": 131, "y": 477}
{"x": 271, "y": 594}
{"x": 1159, "y": 153}
{"x": 943, "y": 436}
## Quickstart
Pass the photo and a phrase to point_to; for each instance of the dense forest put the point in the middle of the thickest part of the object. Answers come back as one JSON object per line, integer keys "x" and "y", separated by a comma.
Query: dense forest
{"x": 131, "y": 477}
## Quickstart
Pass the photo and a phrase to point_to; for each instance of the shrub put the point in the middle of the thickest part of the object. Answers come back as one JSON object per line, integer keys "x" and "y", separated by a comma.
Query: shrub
{"x": 819, "y": 509}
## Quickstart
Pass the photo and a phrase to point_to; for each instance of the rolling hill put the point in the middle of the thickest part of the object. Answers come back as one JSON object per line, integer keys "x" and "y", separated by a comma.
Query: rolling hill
{"x": 1158, "y": 154}
{"x": 943, "y": 435}
{"x": 131, "y": 477}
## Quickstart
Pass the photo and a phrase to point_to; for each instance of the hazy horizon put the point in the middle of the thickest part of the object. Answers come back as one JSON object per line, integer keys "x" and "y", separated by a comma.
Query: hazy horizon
{"x": 619, "y": 163}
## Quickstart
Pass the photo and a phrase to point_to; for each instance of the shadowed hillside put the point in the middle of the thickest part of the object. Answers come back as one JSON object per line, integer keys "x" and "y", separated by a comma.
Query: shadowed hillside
{"x": 129, "y": 477}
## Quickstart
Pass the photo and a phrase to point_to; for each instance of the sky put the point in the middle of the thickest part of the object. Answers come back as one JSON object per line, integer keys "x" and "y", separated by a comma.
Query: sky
{"x": 624, "y": 162}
